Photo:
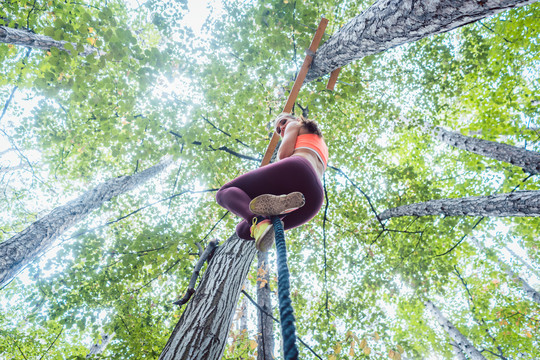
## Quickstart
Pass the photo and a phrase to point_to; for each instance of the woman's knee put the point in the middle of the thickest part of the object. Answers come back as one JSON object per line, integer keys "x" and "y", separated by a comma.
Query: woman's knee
{"x": 221, "y": 196}
{"x": 243, "y": 230}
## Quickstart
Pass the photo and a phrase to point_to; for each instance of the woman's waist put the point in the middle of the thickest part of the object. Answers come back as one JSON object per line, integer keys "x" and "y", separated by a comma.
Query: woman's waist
{"x": 313, "y": 159}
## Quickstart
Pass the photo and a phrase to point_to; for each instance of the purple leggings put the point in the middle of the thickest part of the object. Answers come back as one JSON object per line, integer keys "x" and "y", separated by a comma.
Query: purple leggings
{"x": 294, "y": 173}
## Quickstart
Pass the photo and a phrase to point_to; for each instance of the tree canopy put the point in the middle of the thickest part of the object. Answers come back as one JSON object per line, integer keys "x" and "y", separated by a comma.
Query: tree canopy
{"x": 155, "y": 86}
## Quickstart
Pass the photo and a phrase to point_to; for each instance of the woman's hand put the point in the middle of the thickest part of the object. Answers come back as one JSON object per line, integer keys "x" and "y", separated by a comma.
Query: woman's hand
{"x": 289, "y": 132}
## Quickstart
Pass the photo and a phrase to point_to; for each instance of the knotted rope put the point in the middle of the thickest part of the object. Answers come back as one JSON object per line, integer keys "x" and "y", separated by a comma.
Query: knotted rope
{"x": 288, "y": 330}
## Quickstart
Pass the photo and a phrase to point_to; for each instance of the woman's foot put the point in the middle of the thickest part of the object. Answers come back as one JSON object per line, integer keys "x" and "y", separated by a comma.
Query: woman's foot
{"x": 263, "y": 233}
{"x": 268, "y": 204}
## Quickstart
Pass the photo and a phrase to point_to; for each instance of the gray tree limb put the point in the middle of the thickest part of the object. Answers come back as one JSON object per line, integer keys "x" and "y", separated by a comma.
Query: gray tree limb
{"x": 205, "y": 256}
{"x": 528, "y": 160}
{"x": 30, "y": 39}
{"x": 23, "y": 248}
{"x": 459, "y": 339}
{"x": 518, "y": 203}
{"x": 201, "y": 333}
{"x": 527, "y": 265}
{"x": 458, "y": 354}
{"x": 98, "y": 347}
{"x": 390, "y": 23}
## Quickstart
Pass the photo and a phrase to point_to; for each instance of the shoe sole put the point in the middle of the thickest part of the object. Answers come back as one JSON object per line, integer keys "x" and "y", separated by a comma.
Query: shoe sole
{"x": 268, "y": 204}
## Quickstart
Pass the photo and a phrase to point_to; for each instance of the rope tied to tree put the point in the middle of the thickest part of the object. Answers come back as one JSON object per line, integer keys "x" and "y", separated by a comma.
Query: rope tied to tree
{"x": 288, "y": 330}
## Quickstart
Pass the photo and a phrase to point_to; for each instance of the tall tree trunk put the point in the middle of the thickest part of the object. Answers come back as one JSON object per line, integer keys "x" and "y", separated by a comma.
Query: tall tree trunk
{"x": 202, "y": 331}
{"x": 458, "y": 354}
{"x": 518, "y": 203}
{"x": 243, "y": 315}
{"x": 461, "y": 341}
{"x": 529, "y": 290}
{"x": 528, "y": 160}
{"x": 527, "y": 265}
{"x": 98, "y": 347}
{"x": 23, "y": 248}
{"x": 265, "y": 323}
{"x": 32, "y": 40}
{"x": 389, "y": 23}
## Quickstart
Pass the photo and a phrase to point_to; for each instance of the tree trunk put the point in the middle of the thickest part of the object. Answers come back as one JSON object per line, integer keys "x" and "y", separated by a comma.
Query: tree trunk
{"x": 265, "y": 337}
{"x": 23, "y": 248}
{"x": 461, "y": 341}
{"x": 32, "y": 40}
{"x": 526, "y": 264}
{"x": 243, "y": 315}
{"x": 458, "y": 354}
{"x": 518, "y": 203}
{"x": 529, "y": 290}
{"x": 202, "y": 331}
{"x": 528, "y": 160}
{"x": 389, "y": 23}
{"x": 98, "y": 348}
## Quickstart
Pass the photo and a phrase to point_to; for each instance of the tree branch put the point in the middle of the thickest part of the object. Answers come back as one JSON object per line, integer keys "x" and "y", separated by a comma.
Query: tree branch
{"x": 57, "y": 336}
{"x": 206, "y": 256}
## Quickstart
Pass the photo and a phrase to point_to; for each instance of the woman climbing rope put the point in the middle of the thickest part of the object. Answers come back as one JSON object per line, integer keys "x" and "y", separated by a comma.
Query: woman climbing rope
{"x": 290, "y": 187}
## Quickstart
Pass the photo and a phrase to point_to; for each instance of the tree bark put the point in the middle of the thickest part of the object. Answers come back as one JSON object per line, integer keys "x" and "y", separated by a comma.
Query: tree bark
{"x": 32, "y": 40}
{"x": 390, "y": 23}
{"x": 23, "y": 248}
{"x": 528, "y": 160}
{"x": 265, "y": 337}
{"x": 518, "y": 203}
{"x": 202, "y": 331}
{"x": 461, "y": 341}
{"x": 98, "y": 347}
{"x": 526, "y": 264}
{"x": 458, "y": 354}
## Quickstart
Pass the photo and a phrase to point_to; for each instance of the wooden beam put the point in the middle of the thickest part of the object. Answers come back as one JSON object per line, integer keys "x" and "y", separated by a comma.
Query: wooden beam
{"x": 297, "y": 85}
{"x": 333, "y": 79}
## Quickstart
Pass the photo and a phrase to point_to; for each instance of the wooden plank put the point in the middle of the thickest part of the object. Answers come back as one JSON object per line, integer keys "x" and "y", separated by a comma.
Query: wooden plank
{"x": 297, "y": 85}
{"x": 333, "y": 79}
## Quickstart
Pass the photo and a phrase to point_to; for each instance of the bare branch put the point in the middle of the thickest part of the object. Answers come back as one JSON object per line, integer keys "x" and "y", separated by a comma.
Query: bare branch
{"x": 206, "y": 256}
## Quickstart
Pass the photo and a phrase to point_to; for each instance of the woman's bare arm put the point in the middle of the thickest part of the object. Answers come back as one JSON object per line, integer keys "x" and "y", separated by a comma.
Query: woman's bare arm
{"x": 289, "y": 139}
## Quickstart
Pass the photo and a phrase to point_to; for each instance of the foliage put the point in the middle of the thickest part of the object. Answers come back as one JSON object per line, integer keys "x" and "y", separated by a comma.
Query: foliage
{"x": 156, "y": 87}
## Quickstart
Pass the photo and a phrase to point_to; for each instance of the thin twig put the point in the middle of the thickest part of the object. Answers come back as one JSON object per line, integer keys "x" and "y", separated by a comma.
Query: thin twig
{"x": 6, "y": 105}
{"x": 216, "y": 224}
{"x": 224, "y": 132}
{"x": 57, "y": 336}
{"x": 174, "y": 185}
{"x": 482, "y": 218}
{"x": 361, "y": 191}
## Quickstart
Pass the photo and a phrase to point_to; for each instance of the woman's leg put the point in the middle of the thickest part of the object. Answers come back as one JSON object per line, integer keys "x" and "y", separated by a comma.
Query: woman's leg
{"x": 235, "y": 200}
{"x": 283, "y": 177}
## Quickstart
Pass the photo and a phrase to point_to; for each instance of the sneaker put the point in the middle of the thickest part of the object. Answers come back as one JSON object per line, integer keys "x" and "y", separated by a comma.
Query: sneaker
{"x": 269, "y": 205}
{"x": 263, "y": 233}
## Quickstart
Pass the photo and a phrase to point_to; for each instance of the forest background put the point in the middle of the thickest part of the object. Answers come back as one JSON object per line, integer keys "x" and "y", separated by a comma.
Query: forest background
{"x": 149, "y": 87}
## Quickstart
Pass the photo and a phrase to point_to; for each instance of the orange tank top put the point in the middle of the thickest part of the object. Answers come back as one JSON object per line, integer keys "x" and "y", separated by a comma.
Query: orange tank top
{"x": 314, "y": 143}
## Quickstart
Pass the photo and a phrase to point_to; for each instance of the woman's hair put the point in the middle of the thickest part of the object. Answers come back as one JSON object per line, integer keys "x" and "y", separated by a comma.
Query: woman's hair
{"x": 309, "y": 125}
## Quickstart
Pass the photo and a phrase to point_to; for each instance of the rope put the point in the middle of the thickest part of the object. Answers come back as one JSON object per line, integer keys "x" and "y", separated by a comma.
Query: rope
{"x": 288, "y": 330}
